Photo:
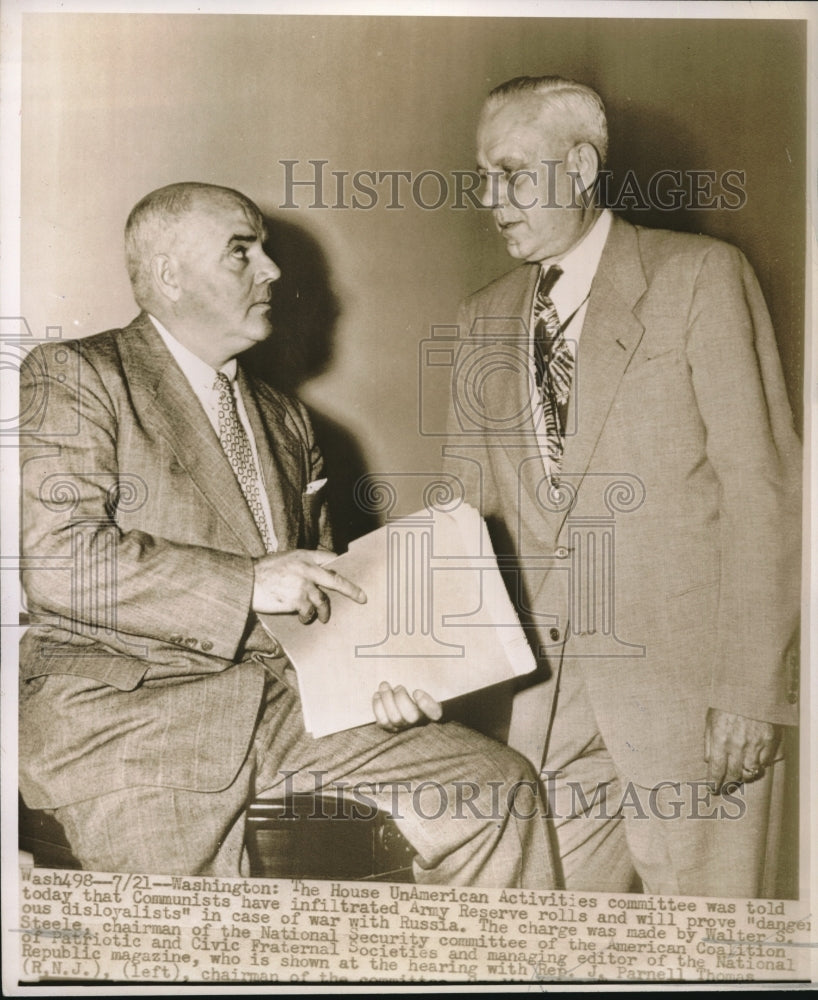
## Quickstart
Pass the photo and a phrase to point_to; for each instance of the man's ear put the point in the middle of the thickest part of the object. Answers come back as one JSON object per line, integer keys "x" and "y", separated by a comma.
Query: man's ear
{"x": 584, "y": 164}
{"x": 165, "y": 277}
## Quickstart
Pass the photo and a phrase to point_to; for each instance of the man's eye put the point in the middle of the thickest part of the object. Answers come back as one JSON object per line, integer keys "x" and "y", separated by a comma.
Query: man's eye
{"x": 240, "y": 252}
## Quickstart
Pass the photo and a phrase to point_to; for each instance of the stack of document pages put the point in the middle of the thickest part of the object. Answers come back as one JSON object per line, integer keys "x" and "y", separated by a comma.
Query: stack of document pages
{"x": 437, "y": 618}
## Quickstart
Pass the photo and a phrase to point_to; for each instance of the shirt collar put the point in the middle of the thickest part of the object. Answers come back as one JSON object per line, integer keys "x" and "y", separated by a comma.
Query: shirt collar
{"x": 579, "y": 266}
{"x": 199, "y": 373}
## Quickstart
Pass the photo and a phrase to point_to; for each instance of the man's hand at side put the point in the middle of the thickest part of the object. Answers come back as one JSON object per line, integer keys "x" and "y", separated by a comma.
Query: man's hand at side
{"x": 737, "y": 749}
{"x": 395, "y": 709}
{"x": 296, "y": 582}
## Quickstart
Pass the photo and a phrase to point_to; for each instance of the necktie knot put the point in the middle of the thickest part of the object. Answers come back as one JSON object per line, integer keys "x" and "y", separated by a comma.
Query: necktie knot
{"x": 548, "y": 279}
{"x": 545, "y": 311}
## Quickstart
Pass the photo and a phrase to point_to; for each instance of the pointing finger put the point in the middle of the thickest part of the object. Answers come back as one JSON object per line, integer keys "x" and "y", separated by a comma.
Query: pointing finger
{"x": 330, "y": 580}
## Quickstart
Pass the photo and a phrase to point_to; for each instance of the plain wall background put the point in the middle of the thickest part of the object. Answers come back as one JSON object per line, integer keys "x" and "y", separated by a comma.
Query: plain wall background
{"x": 117, "y": 105}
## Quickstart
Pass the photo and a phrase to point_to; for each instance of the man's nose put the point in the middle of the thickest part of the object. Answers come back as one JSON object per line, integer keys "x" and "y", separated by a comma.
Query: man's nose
{"x": 267, "y": 270}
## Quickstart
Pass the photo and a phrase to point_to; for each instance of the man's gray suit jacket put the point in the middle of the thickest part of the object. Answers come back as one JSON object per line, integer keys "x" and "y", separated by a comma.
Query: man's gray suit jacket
{"x": 138, "y": 554}
{"x": 668, "y": 563}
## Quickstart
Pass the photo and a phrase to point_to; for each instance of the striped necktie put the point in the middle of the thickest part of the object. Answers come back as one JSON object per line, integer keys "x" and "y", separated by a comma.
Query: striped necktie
{"x": 553, "y": 365}
{"x": 236, "y": 446}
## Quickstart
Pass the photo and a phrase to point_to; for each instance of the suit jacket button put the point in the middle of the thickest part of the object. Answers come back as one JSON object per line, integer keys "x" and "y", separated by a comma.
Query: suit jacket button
{"x": 561, "y": 552}
{"x": 207, "y": 645}
{"x": 176, "y": 638}
{"x": 191, "y": 642}
{"x": 554, "y": 634}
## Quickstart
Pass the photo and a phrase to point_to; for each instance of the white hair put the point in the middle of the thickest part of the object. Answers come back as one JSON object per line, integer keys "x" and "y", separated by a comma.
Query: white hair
{"x": 580, "y": 109}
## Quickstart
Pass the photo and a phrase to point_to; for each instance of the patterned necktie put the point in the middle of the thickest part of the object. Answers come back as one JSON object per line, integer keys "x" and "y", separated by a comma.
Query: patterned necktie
{"x": 236, "y": 446}
{"x": 553, "y": 365}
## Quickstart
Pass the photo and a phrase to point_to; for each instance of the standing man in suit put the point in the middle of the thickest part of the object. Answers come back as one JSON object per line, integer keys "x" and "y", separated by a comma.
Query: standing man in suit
{"x": 619, "y": 415}
{"x": 169, "y": 498}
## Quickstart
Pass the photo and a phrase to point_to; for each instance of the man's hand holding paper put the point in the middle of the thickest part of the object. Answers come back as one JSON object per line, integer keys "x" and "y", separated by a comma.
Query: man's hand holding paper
{"x": 396, "y": 709}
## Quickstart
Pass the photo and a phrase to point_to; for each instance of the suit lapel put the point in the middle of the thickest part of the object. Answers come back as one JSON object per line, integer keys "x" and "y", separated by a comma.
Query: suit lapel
{"x": 610, "y": 334}
{"x": 171, "y": 406}
{"x": 280, "y": 459}
{"x": 506, "y": 357}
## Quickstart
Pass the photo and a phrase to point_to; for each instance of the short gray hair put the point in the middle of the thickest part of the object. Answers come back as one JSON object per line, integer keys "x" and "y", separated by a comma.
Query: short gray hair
{"x": 156, "y": 214}
{"x": 580, "y": 108}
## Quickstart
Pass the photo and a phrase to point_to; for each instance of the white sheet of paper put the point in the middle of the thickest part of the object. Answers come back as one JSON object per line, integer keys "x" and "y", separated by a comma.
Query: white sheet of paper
{"x": 438, "y": 618}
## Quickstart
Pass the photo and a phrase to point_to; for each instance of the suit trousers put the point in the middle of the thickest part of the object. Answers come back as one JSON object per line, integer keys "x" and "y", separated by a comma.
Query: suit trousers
{"x": 469, "y": 805}
{"x": 676, "y": 838}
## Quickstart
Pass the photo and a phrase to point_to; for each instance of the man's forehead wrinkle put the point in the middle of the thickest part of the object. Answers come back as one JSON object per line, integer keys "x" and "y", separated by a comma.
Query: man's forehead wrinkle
{"x": 224, "y": 219}
{"x": 514, "y": 145}
{"x": 253, "y": 220}
{"x": 515, "y": 135}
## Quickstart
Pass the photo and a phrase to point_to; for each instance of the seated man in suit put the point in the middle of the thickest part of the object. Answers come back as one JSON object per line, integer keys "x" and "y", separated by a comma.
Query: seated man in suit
{"x": 168, "y": 498}
{"x": 649, "y": 406}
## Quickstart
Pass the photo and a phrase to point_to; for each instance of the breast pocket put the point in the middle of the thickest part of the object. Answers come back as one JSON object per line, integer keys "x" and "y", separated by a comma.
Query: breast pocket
{"x": 645, "y": 365}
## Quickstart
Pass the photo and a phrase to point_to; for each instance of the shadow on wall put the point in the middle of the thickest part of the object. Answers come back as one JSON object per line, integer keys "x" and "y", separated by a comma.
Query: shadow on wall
{"x": 305, "y": 315}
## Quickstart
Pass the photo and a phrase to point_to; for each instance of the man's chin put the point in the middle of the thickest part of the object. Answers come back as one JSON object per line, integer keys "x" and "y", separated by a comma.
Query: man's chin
{"x": 250, "y": 336}
{"x": 522, "y": 251}
{"x": 515, "y": 245}
{"x": 262, "y": 328}
{"x": 514, "y": 249}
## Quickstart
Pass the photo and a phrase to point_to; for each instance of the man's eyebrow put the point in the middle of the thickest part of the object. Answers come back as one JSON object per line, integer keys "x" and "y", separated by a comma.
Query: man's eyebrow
{"x": 242, "y": 238}
{"x": 508, "y": 164}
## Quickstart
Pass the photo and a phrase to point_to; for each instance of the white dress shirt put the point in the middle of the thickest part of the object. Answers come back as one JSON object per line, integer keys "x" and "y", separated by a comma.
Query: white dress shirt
{"x": 570, "y": 298}
{"x": 202, "y": 380}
